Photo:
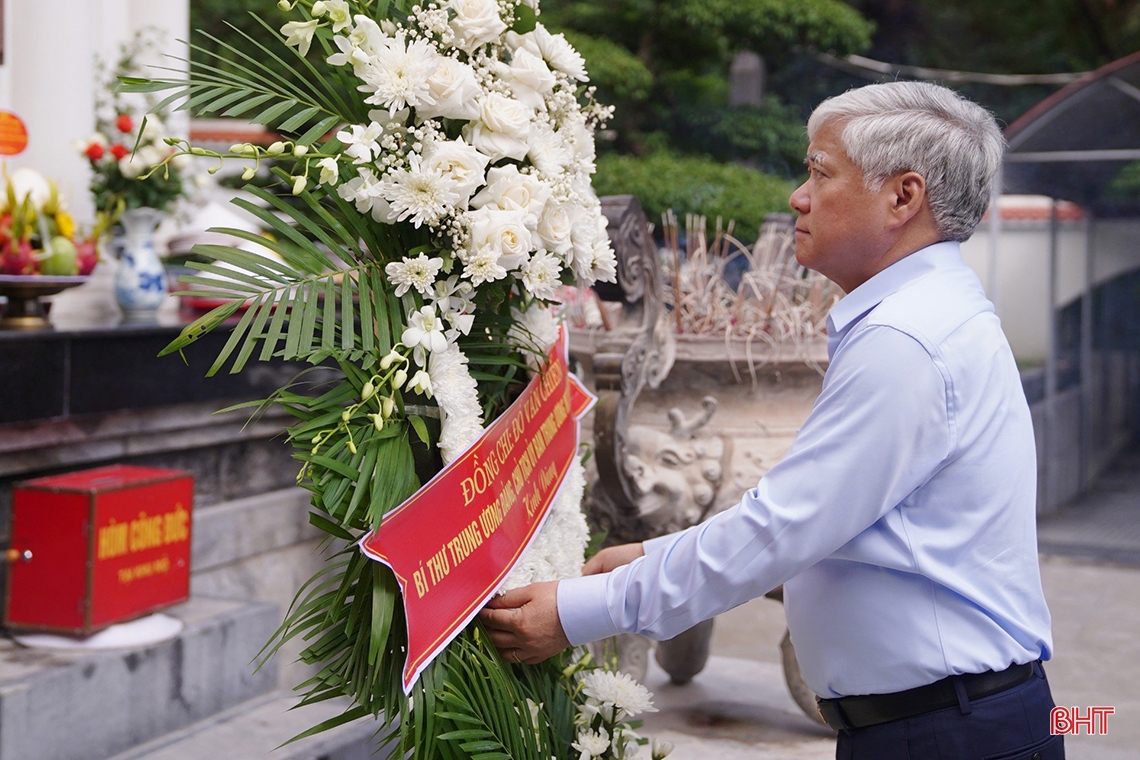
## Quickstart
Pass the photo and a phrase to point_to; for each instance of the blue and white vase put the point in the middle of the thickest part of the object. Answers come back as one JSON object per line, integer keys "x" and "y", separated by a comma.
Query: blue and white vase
{"x": 140, "y": 283}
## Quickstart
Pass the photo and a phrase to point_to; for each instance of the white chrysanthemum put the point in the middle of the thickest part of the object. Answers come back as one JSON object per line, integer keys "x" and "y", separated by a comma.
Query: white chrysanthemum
{"x": 603, "y": 267}
{"x": 418, "y": 273}
{"x": 619, "y": 690}
{"x": 558, "y": 550}
{"x": 552, "y": 48}
{"x": 461, "y": 417}
{"x": 534, "y": 331}
{"x": 397, "y": 75}
{"x": 540, "y": 275}
{"x": 592, "y": 743}
{"x": 419, "y": 193}
{"x": 483, "y": 266}
{"x": 549, "y": 150}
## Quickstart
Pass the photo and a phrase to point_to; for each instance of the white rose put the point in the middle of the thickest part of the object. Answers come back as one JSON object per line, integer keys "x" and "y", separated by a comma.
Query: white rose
{"x": 460, "y": 162}
{"x": 503, "y": 232}
{"x": 530, "y": 78}
{"x": 497, "y": 145}
{"x": 476, "y": 23}
{"x": 554, "y": 227}
{"x": 583, "y": 235}
{"x": 508, "y": 189}
{"x": 506, "y": 115}
{"x": 454, "y": 89}
{"x": 502, "y": 128}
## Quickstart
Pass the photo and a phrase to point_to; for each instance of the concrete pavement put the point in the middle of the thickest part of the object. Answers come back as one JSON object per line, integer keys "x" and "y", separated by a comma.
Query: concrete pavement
{"x": 739, "y": 708}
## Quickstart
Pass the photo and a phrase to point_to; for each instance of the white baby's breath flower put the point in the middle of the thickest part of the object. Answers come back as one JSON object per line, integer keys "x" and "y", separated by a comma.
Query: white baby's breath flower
{"x": 397, "y": 74}
{"x": 592, "y": 743}
{"x": 418, "y": 273}
{"x": 300, "y": 33}
{"x": 540, "y": 275}
{"x": 618, "y": 689}
{"x": 419, "y": 193}
{"x": 476, "y": 22}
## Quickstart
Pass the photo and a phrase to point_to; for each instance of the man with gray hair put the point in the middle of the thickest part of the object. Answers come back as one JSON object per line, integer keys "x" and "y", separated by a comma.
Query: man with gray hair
{"x": 902, "y": 520}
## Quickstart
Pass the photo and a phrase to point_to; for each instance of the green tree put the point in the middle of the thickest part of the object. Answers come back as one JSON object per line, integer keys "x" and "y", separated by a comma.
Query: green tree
{"x": 665, "y": 64}
{"x": 1010, "y": 37}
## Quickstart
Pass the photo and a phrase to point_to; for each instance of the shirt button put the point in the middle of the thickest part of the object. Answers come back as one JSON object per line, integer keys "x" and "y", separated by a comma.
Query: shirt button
{"x": 1036, "y": 756}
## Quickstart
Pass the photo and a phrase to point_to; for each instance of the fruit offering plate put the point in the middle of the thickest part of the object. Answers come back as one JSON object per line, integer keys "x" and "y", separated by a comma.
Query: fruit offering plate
{"x": 25, "y": 311}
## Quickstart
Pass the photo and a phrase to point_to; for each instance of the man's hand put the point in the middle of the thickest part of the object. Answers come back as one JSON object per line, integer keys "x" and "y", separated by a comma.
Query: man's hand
{"x": 612, "y": 557}
{"x": 523, "y": 624}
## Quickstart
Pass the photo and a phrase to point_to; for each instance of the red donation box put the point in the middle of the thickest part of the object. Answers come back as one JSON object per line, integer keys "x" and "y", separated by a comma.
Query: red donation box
{"x": 98, "y": 547}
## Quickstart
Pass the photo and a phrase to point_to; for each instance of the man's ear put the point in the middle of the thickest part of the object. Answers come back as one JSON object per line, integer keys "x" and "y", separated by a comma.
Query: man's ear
{"x": 907, "y": 197}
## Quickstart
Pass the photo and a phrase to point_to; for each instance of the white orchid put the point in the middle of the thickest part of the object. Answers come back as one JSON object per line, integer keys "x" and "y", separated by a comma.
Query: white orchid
{"x": 300, "y": 34}
{"x": 424, "y": 333}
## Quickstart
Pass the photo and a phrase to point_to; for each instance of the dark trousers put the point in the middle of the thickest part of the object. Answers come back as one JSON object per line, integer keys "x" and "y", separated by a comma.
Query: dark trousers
{"x": 1010, "y": 725}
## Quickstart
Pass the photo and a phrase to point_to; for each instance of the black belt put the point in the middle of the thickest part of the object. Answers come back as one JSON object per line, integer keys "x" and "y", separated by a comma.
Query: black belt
{"x": 872, "y": 709}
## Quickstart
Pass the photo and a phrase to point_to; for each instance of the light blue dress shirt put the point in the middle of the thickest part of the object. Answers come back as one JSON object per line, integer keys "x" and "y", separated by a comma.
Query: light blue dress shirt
{"x": 901, "y": 521}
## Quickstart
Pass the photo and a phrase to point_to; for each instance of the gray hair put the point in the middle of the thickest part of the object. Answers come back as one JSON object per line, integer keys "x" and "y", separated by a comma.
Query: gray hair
{"x": 955, "y": 144}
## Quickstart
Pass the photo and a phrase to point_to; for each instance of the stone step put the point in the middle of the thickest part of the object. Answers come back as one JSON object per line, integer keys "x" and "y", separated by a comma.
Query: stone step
{"x": 256, "y": 729}
{"x": 236, "y": 530}
{"x": 89, "y": 705}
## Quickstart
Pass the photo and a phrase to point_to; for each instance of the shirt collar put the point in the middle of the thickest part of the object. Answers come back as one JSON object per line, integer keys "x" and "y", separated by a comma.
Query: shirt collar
{"x": 887, "y": 282}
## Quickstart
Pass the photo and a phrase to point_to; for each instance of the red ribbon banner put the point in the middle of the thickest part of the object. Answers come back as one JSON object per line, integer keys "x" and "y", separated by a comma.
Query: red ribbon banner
{"x": 454, "y": 541}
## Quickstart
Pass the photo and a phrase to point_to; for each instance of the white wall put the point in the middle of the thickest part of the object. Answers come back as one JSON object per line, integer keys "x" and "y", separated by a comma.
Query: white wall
{"x": 47, "y": 78}
{"x": 1023, "y": 271}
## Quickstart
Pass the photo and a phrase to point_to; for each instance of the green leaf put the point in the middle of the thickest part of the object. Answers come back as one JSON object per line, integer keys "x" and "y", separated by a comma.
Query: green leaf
{"x": 248, "y": 105}
{"x": 421, "y": 429}
{"x": 298, "y": 119}
{"x": 330, "y": 527}
{"x": 235, "y": 337}
{"x": 274, "y": 112}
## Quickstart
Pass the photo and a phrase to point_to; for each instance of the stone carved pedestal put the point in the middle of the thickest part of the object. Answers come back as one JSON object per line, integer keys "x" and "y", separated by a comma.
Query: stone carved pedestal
{"x": 663, "y": 465}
